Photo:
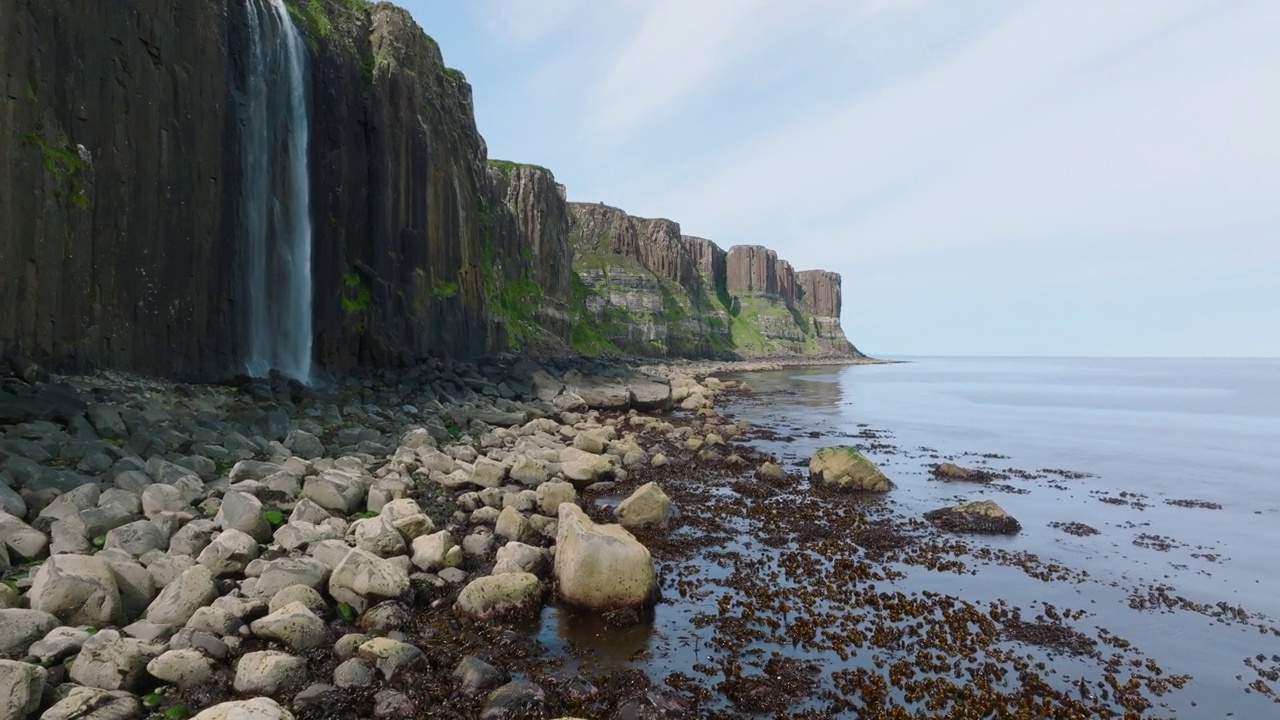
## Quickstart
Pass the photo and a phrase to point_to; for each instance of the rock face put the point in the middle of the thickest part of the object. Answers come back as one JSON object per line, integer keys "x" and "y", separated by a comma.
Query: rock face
{"x": 120, "y": 247}
{"x": 123, "y": 217}
{"x": 646, "y": 289}
{"x": 844, "y": 468}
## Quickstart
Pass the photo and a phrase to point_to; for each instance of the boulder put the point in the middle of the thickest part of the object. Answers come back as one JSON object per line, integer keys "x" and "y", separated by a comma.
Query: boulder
{"x": 84, "y": 703}
{"x": 110, "y": 661}
{"x": 183, "y": 668}
{"x": 981, "y": 517}
{"x": 951, "y": 471}
{"x": 650, "y": 393}
{"x": 496, "y": 595}
{"x": 269, "y": 672}
{"x": 431, "y": 552}
{"x": 22, "y": 539}
{"x": 180, "y": 599}
{"x": 229, "y": 553}
{"x": 389, "y": 656}
{"x": 260, "y": 708}
{"x": 19, "y": 628}
{"x": 601, "y": 567}
{"x": 379, "y": 536}
{"x": 551, "y": 495}
{"x": 772, "y": 473}
{"x": 647, "y": 507}
{"x": 78, "y": 590}
{"x": 844, "y": 468}
{"x": 294, "y": 625}
{"x": 21, "y": 685}
{"x": 362, "y": 578}
{"x": 512, "y": 525}
{"x": 243, "y": 512}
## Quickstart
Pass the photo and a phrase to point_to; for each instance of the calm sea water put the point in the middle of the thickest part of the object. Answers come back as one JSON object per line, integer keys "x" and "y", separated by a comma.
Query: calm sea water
{"x": 1166, "y": 429}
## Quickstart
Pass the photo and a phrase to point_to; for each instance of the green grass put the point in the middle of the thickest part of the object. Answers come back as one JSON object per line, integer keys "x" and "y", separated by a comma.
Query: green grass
{"x": 444, "y": 290}
{"x": 506, "y": 167}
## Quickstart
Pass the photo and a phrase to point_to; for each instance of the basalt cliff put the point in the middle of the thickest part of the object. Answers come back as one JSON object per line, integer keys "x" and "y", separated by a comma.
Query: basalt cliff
{"x": 125, "y": 177}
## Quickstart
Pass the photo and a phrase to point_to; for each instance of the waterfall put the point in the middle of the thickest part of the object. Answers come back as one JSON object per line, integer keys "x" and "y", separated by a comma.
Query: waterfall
{"x": 276, "y": 203}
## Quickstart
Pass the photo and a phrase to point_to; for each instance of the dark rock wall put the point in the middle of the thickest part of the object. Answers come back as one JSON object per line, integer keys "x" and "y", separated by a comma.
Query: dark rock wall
{"x": 119, "y": 184}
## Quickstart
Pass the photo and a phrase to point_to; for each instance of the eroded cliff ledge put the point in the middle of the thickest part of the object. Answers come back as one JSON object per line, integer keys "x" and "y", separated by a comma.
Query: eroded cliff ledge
{"x": 122, "y": 187}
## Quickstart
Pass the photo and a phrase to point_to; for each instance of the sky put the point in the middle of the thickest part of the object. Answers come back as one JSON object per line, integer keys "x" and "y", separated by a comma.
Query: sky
{"x": 1085, "y": 177}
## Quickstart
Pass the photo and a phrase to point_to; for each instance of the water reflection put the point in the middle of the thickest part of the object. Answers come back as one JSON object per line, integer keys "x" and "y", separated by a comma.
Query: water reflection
{"x": 596, "y": 639}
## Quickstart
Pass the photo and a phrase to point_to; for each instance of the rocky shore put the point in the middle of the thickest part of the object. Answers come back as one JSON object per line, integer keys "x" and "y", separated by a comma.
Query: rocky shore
{"x": 264, "y": 549}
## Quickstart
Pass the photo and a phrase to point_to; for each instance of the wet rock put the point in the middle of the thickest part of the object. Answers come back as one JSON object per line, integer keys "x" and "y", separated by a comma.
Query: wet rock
{"x": 983, "y": 517}
{"x": 269, "y": 672}
{"x": 261, "y": 708}
{"x": 21, "y": 685}
{"x": 476, "y": 676}
{"x": 109, "y": 661}
{"x": 517, "y": 699}
{"x": 772, "y": 473}
{"x": 601, "y": 567}
{"x": 647, "y": 507}
{"x": 353, "y": 673}
{"x": 392, "y": 704}
{"x": 78, "y": 590}
{"x": 845, "y": 468}
{"x": 951, "y": 471}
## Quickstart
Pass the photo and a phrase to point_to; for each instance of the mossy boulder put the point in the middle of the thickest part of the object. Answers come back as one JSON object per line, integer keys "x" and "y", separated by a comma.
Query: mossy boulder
{"x": 980, "y": 517}
{"x": 844, "y": 468}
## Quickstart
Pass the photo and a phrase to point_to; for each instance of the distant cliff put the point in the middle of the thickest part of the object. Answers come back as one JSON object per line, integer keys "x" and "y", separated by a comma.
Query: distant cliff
{"x": 122, "y": 189}
{"x": 647, "y": 289}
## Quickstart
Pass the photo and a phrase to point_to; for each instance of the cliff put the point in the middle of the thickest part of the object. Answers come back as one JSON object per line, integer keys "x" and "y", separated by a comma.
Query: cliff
{"x": 647, "y": 289}
{"x": 124, "y": 184}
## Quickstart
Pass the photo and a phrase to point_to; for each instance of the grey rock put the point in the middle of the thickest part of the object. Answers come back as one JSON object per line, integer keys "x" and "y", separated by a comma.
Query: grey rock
{"x": 78, "y": 590}
{"x": 229, "y": 553}
{"x": 475, "y": 676}
{"x": 138, "y": 537}
{"x": 353, "y": 673}
{"x": 308, "y": 596}
{"x": 207, "y": 643}
{"x": 59, "y": 643}
{"x": 304, "y": 445}
{"x": 392, "y": 704}
{"x": 517, "y": 699}
{"x": 182, "y": 668}
{"x": 110, "y": 661}
{"x": 158, "y": 498}
{"x": 22, "y": 539}
{"x": 243, "y": 512}
{"x": 192, "y": 538}
{"x": 430, "y": 551}
{"x": 283, "y": 572}
{"x": 269, "y": 672}
{"x": 21, "y": 685}
{"x": 181, "y": 598}
{"x": 389, "y": 656}
{"x": 83, "y": 703}
{"x": 20, "y": 628}
{"x": 294, "y": 625}
{"x": 363, "y": 576}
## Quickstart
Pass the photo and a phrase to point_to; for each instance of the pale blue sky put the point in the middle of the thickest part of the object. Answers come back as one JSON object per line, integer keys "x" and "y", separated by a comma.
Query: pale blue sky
{"x": 1084, "y": 177}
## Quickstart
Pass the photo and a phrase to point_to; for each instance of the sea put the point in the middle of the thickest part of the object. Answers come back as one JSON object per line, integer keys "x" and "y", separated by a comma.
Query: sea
{"x": 1175, "y": 462}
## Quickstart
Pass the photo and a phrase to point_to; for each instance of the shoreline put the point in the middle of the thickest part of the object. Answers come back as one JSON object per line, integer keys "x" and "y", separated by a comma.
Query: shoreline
{"x": 415, "y": 444}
